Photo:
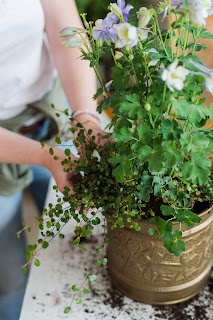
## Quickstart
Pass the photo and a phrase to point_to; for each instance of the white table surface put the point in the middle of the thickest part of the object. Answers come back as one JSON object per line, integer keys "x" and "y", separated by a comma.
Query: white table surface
{"x": 62, "y": 265}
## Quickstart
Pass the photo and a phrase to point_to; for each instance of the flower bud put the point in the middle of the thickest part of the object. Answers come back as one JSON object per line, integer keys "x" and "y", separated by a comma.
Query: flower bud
{"x": 147, "y": 107}
{"x": 69, "y": 32}
{"x": 107, "y": 42}
{"x": 172, "y": 99}
{"x": 99, "y": 43}
{"x": 166, "y": 116}
{"x": 118, "y": 55}
{"x": 72, "y": 42}
{"x": 144, "y": 16}
{"x": 83, "y": 15}
{"x": 116, "y": 10}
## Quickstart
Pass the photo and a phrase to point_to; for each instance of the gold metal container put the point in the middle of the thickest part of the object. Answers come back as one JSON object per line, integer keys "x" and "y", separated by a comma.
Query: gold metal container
{"x": 145, "y": 271}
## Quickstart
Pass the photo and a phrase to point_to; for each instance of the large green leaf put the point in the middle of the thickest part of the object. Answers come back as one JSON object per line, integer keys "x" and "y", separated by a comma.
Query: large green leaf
{"x": 188, "y": 217}
{"x": 185, "y": 141}
{"x": 169, "y": 129}
{"x": 122, "y": 171}
{"x": 171, "y": 153}
{"x": 123, "y": 135}
{"x": 200, "y": 140}
{"x": 156, "y": 161}
{"x": 185, "y": 110}
{"x": 167, "y": 210}
{"x": 144, "y": 152}
{"x": 130, "y": 106}
{"x": 206, "y": 35}
{"x": 209, "y": 111}
{"x": 111, "y": 102}
{"x": 163, "y": 225}
{"x": 120, "y": 79}
{"x": 118, "y": 173}
{"x": 144, "y": 132}
{"x": 173, "y": 243}
{"x": 117, "y": 159}
{"x": 146, "y": 188}
{"x": 197, "y": 170}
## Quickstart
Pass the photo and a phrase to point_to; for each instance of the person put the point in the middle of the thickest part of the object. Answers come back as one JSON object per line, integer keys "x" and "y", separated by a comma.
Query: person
{"x": 30, "y": 54}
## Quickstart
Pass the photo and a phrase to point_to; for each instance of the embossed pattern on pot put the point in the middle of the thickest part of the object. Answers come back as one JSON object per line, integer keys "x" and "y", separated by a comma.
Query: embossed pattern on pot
{"x": 143, "y": 269}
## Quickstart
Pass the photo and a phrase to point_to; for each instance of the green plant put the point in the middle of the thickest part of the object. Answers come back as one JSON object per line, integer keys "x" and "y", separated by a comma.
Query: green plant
{"x": 158, "y": 167}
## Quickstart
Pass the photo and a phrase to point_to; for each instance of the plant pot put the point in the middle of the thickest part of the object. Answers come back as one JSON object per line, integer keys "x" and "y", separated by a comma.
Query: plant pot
{"x": 145, "y": 271}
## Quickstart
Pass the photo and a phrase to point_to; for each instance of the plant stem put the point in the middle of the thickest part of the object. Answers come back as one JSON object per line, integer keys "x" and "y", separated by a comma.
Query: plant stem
{"x": 179, "y": 38}
{"x": 160, "y": 35}
{"x": 131, "y": 160}
{"x": 169, "y": 109}
{"x": 153, "y": 124}
{"x": 195, "y": 39}
{"x": 133, "y": 68}
{"x": 185, "y": 42}
{"x": 171, "y": 172}
{"x": 101, "y": 77}
{"x": 96, "y": 61}
{"x": 171, "y": 32}
{"x": 187, "y": 124}
{"x": 147, "y": 68}
{"x": 135, "y": 139}
{"x": 164, "y": 92}
{"x": 113, "y": 57}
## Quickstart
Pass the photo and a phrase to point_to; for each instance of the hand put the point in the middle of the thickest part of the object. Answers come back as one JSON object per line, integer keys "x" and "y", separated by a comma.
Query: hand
{"x": 89, "y": 122}
{"x": 62, "y": 179}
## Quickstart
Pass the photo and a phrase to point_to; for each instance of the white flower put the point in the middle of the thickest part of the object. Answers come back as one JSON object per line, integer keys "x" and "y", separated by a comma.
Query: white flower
{"x": 198, "y": 15}
{"x": 205, "y": 3}
{"x": 127, "y": 35}
{"x": 198, "y": 12}
{"x": 206, "y": 73}
{"x": 142, "y": 34}
{"x": 144, "y": 16}
{"x": 152, "y": 62}
{"x": 174, "y": 76}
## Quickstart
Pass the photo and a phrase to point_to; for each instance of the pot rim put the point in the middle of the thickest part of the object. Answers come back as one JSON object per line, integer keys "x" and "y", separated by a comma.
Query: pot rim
{"x": 206, "y": 215}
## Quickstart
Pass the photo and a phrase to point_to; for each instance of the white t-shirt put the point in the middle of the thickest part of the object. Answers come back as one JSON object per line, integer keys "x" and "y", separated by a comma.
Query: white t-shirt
{"x": 26, "y": 66}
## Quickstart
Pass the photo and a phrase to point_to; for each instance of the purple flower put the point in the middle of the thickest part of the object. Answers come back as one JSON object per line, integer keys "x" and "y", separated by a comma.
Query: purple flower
{"x": 124, "y": 10}
{"x": 104, "y": 28}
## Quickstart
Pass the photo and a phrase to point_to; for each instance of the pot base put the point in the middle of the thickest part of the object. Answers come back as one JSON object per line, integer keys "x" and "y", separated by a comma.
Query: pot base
{"x": 161, "y": 296}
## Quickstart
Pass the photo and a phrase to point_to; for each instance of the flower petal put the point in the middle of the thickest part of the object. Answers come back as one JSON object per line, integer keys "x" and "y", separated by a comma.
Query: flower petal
{"x": 72, "y": 42}
{"x": 200, "y": 67}
{"x": 121, "y": 4}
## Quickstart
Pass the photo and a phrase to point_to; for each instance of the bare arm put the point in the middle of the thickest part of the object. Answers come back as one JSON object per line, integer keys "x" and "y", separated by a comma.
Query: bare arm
{"x": 78, "y": 81}
{"x": 15, "y": 148}
{"x": 77, "y": 78}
